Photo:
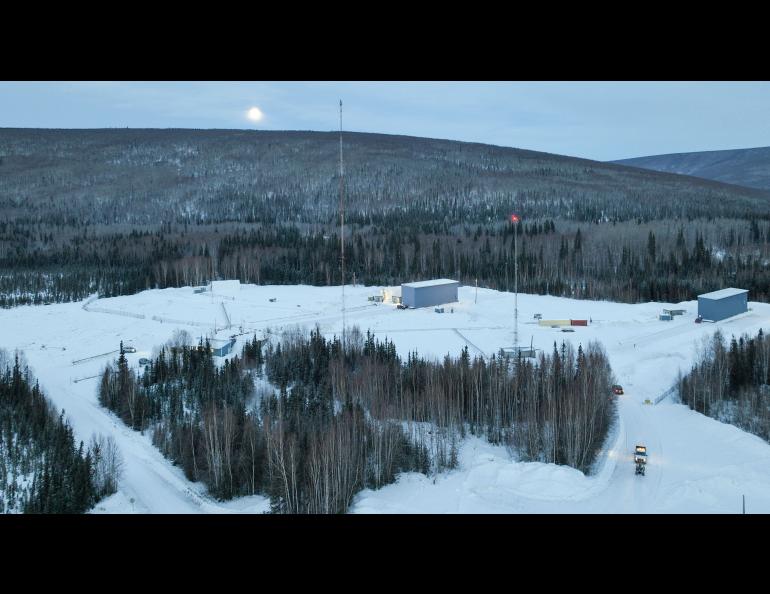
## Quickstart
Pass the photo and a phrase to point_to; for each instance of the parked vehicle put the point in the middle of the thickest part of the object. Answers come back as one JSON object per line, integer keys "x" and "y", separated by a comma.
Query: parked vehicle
{"x": 699, "y": 319}
{"x": 402, "y": 306}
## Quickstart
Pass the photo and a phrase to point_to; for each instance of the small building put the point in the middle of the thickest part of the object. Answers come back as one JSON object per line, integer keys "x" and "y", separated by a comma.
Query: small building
{"x": 429, "y": 293}
{"x": 221, "y": 348}
{"x": 554, "y": 323}
{"x": 526, "y": 352}
{"x": 722, "y": 304}
{"x": 665, "y": 317}
{"x": 226, "y": 288}
{"x": 674, "y": 312}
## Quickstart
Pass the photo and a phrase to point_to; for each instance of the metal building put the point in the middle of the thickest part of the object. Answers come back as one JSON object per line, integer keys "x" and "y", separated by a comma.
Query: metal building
{"x": 222, "y": 348}
{"x": 429, "y": 293}
{"x": 526, "y": 352}
{"x": 722, "y": 304}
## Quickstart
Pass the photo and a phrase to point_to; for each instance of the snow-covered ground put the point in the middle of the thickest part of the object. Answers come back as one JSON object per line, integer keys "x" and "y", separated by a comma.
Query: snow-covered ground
{"x": 696, "y": 464}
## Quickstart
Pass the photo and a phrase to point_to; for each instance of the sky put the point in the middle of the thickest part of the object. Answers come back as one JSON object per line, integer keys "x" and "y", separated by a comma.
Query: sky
{"x": 595, "y": 120}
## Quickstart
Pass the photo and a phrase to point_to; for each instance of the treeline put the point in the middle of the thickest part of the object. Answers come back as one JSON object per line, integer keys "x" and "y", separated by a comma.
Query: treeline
{"x": 338, "y": 420}
{"x": 295, "y": 447}
{"x": 627, "y": 262}
{"x": 197, "y": 413}
{"x": 202, "y": 421}
{"x": 42, "y": 470}
{"x": 622, "y": 261}
{"x": 557, "y": 408}
{"x": 732, "y": 383}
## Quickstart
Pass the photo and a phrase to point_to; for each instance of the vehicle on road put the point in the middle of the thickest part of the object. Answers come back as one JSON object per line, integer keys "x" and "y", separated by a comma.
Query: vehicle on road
{"x": 640, "y": 459}
{"x": 129, "y": 349}
{"x": 617, "y": 390}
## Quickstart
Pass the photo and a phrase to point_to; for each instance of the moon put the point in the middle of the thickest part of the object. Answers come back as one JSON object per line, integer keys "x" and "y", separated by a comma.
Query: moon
{"x": 254, "y": 114}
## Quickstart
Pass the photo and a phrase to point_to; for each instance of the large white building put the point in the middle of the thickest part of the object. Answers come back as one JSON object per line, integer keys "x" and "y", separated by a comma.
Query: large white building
{"x": 428, "y": 293}
{"x": 722, "y": 304}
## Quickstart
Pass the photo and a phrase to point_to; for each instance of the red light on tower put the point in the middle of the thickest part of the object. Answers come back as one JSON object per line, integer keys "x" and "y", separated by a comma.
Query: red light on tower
{"x": 514, "y": 218}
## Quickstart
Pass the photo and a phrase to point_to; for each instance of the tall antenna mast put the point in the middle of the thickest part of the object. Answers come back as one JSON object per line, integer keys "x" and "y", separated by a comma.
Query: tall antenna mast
{"x": 342, "y": 231}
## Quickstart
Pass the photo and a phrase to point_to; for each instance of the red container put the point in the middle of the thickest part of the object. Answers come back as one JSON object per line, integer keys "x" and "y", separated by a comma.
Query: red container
{"x": 578, "y": 322}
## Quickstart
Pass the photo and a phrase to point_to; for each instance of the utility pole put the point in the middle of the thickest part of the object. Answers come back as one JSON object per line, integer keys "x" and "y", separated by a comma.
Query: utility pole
{"x": 515, "y": 289}
{"x": 515, "y": 222}
{"x": 342, "y": 231}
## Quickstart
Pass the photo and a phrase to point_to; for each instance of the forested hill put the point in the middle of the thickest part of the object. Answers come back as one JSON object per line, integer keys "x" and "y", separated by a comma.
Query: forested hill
{"x": 118, "y": 211}
{"x": 745, "y": 167}
{"x": 114, "y": 176}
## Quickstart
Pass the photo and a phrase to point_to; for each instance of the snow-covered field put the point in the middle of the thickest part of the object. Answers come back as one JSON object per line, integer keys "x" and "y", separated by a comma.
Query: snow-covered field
{"x": 696, "y": 464}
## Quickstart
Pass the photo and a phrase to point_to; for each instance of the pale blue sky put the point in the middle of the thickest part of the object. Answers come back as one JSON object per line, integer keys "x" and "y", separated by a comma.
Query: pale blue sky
{"x": 596, "y": 120}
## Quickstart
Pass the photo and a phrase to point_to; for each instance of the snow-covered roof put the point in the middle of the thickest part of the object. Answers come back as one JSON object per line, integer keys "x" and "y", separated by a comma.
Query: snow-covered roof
{"x": 722, "y": 293}
{"x": 431, "y": 283}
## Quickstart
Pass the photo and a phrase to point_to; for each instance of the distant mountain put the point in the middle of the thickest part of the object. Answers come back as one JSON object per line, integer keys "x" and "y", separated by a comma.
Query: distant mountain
{"x": 744, "y": 167}
{"x": 141, "y": 177}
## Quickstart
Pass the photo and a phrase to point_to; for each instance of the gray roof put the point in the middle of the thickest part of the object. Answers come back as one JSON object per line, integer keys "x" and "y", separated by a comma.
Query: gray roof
{"x": 430, "y": 283}
{"x": 722, "y": 293}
